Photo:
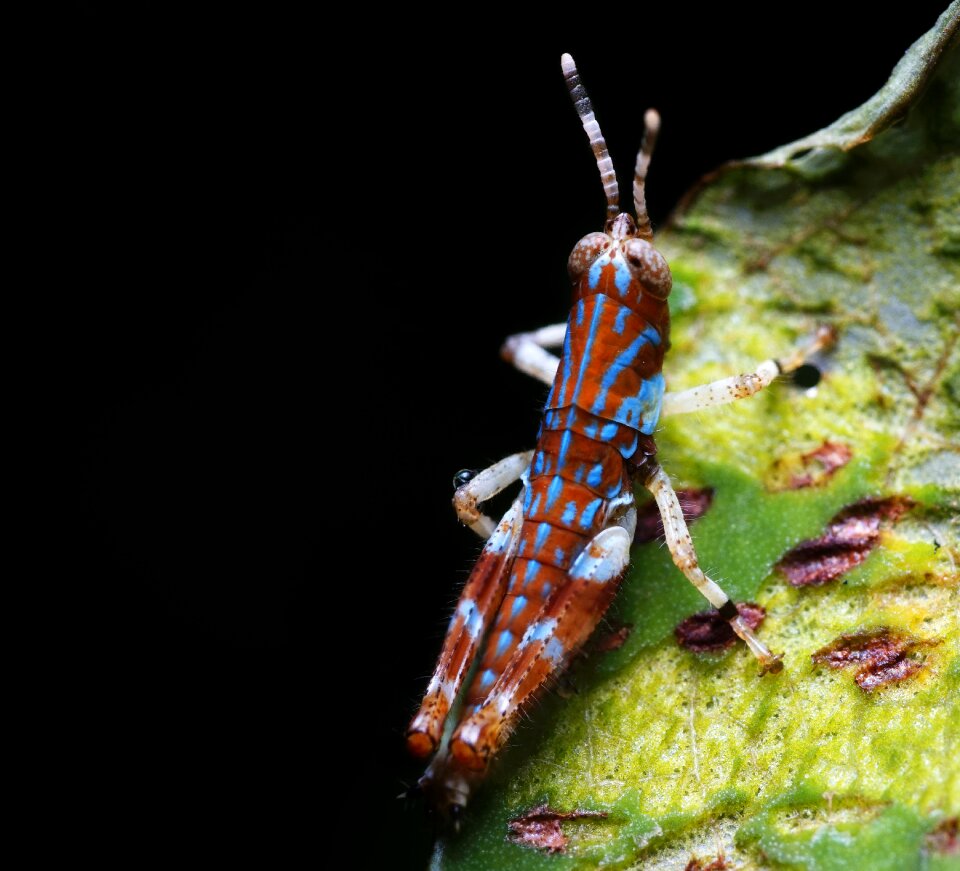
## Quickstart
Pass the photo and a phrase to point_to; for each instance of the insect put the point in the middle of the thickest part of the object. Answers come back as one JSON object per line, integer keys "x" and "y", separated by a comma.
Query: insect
{"x": 552, "y": 565}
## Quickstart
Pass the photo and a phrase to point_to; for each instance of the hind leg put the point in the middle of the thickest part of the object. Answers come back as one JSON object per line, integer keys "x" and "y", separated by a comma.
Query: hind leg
{"x": 479, "y": 602}
{"x": 569, "y": 616}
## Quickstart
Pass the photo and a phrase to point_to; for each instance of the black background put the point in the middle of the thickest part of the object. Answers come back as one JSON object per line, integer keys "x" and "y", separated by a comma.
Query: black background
{"x": 286, "y": 252}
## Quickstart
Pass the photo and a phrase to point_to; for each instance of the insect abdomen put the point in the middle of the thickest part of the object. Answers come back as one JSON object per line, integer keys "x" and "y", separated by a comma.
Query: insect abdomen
{"x": 571, "y": 482}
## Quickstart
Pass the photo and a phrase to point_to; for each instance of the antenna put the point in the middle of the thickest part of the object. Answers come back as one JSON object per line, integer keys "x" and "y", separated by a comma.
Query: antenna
{"x": 651, "y": 123}
{"x": 584, "y": 107}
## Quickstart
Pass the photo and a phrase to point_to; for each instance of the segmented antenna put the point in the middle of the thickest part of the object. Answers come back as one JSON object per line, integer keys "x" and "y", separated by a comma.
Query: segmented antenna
{"x": 651, "y": 122}
{"x": 599, "y": 145}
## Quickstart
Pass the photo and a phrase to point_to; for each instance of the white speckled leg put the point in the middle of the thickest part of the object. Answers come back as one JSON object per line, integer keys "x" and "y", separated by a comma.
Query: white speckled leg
{"x": 685, "y": 558}
{"x": 741, "y": 386}
{"x": 485, "y": 486}
{"x": 527, "y": 351}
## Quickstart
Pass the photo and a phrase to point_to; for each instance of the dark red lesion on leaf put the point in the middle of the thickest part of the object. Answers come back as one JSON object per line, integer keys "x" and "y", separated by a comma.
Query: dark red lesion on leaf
{"x": 614, "y": 639}
{"x": 540, "y": 828}
{"x": 945, "y": 839}
{"x": 708, "y": 632}
{"x": 693, "y": 502}
{"x": 717, "y": 864}
{"x": 812, "y": 468}
{"x": 847, "y": 541}
{"x": 880, "y": 656}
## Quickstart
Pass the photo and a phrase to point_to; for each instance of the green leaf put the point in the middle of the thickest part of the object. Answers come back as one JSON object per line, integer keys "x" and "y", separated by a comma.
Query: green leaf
{"x": 856, "y": 227}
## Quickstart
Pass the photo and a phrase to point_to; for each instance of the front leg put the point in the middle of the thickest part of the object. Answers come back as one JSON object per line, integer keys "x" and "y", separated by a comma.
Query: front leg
{"x": 685, "y": 559}
{"x": 485, "y": 485}
{"x": 527, "y": 351}
{"x": 741, "y": 386}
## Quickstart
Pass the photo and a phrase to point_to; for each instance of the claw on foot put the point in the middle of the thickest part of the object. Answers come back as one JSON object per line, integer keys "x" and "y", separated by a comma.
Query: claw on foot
{"x": 770, "y": 663}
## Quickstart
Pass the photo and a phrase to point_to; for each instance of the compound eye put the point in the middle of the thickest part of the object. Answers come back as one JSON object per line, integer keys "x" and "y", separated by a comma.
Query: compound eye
{"x": 648, "y": 267}
{"x": 585, "y": 252}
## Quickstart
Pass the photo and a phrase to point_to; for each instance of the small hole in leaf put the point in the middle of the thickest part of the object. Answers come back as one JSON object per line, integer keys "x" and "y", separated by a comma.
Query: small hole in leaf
{"x": 807, "y": 376}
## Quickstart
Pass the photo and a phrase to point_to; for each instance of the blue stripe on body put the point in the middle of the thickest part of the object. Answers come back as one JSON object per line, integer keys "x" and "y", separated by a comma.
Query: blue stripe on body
{"x": 609, "y": 432}
{"x": 565, "y": 358}
{"x": 564, "y": 449}
{"x": 569, "y": 513}
{"x": 654, "y": 402}
{"x": 646, "y": 404}
{"x": 503, "y": 643}
{"x": 533, "y": 569}
{"x": 543, "y": 530}
{"x": 588, "y": 349}
{"x": 472, "y": 618}
{"x": 465, "y": 608}
{"x": 624, "y": 360}
{"x": 595, "y": 476}
{"x": 487, "y": 679}
{"x": 554, "y": 491}
{"x": 542, "y": 630}
{"x": 622, "y": 278}
{"x": 518, "y": 605}
{"x": 554, "y": 650}
{"x": 586, "y": 519}
{"x": 621, "y": 322}
{"x": 596, "y": 271}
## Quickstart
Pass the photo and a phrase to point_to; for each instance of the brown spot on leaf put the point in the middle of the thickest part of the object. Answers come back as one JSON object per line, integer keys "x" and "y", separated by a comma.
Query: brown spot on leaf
{"x": 811, "y": 469}
{"x": 614, "y": 639}
{"x": 708, "y": 632}
{"x": 718, "y": 864}
{"x": 540, "y": 829}
{"x": 880, "y": 656}
{"x": 847, "y": 541}
{"x": 944, "y": 838}
{"x": 694, "y": 503}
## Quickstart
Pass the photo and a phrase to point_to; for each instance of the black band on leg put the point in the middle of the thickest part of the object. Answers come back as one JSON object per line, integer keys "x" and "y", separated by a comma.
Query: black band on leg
{"x": 728, "y": 610}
